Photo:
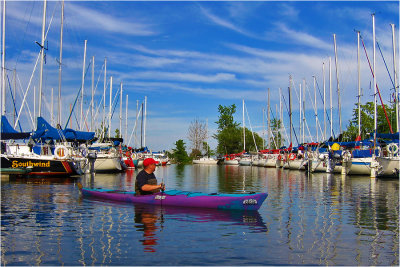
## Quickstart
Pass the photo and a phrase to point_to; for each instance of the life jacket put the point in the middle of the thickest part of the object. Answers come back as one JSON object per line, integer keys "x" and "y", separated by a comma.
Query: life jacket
{"x": 140, "y": 192}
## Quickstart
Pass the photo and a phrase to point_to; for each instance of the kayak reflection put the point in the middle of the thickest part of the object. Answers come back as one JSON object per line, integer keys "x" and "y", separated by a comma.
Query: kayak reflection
{"x": 152, "y": 219}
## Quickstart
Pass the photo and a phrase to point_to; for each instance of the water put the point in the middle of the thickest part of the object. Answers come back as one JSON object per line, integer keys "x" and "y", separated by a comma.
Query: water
{"x": 320, "y": 219}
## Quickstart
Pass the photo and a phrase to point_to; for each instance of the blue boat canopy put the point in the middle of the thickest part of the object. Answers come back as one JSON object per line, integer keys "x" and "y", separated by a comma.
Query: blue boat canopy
{"x": 352, "y": 144}
{"x": 8, "y": 132}
{"x": 394, "y": 136}
{"x": 45, "y": 131}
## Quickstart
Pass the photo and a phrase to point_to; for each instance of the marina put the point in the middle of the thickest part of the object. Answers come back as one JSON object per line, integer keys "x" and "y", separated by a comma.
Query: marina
{"x": 315, "y": 219}
{"x": 299, "y": 165}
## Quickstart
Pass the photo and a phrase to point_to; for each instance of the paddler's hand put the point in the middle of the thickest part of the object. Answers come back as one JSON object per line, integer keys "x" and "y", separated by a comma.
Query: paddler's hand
{"x": 162, "y": 187}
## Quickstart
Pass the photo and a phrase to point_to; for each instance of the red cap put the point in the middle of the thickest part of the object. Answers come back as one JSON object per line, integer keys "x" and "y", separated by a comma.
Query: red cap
{"x": 149, "y": 161}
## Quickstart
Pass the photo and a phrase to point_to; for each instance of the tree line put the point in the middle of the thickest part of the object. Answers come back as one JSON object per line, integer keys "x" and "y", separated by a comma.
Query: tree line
{"x": 230, "y": 139}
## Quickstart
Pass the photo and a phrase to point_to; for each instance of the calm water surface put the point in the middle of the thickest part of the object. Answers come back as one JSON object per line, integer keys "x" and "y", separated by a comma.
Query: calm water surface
{"x": 320, "y": 219}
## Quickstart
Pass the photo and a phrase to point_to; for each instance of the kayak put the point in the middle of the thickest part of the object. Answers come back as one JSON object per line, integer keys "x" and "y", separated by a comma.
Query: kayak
{"x": 246, "y": 201}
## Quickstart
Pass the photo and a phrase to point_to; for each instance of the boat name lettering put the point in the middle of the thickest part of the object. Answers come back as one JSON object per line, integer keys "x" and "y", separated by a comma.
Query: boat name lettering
{"x": 160, "y": 197}
{"x": 250, "y": 202}
{"x": 16, "y": 164}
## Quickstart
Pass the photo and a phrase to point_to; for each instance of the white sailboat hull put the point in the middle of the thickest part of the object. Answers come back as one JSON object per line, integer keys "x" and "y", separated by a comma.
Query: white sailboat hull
{"x": 390, "y": 166}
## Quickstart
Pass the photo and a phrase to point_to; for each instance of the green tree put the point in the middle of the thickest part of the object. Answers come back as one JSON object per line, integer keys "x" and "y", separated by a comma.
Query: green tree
{"x": 195, "y": 153}
{"x": 277, "y": 139}
{"x": 179, "y": 153}
{"x": 367, "y": 121}
{"x": 230, "y": 135}
{"x": 207, "y": 150}
{"x": 102, "y": 131}
{"x": 117, "y": 133}
{"x": 226, "y": 117}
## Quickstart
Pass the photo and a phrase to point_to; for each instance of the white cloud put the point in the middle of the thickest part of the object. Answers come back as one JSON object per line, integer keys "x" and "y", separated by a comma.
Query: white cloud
{"x": 225, "y": 23}
{"x": 92, "y": 19}
{"x": 179, "y": 76}
{"x": 303, "y": 38}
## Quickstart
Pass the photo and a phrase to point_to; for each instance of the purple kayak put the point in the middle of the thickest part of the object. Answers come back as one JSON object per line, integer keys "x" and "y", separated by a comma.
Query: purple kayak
{"x": 246, "y": 201}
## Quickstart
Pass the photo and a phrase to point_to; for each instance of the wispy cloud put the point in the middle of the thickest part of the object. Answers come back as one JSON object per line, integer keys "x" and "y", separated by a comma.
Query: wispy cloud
{"x": 179, "y": 76}
{"x": 302, "y": 38}
{"x": 225, "y": 23}
{"x": 96, "y": 20}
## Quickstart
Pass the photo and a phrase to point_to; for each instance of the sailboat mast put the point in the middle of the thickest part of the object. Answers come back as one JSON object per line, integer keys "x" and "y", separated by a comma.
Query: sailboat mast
{"x": 374, "y": 78}
{"x": 126, "y": 118}
{"x": 42, "y": 58}
{"x": 304, "y": 109}
{"x": 269, "y": 121}
{"x": 120, "y": 111}
{"x": 263, "y": 113}
{"x": 104, "y": 96}
{"x": 92, "y": 100}
{"x": 359, "y": 83}
{"x": 290, "y": 109}
{"x": 337, "y": 82}
{"x": 137, "y": 116}
{"x": 395, "y": 77}
{"x": 3, "y": 60}
{"x": 315, "y": 108}
{"x": 83, "y": 84}
{"x": 281, "y": 115}
{"x": 330, "y": 94}
{"x": 323, "y": 75}
{"x": 60, "y": 65}
{"x": 110, "y": 109}
{"x": 145, "y": 119}
{"x": 52, "y": 107}
{"x": 301, "y": 112}
{"x": 244, "y": 129}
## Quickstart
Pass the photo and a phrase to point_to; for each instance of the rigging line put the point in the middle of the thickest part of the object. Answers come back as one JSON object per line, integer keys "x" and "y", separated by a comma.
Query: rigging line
{"x": 26, "y": 29}
{"x": 134, "y": 127}
{"x": 274, "y": 119}
{"x": 251, "y": 128}
{"x": 326, "y": 111}
{"x": 379, "y": 93}
{"x": 94, "y": 92}
{"x": 384, "y": 61}
{"x": 287, "y": 109}
{"x": 315, "y": 114}
{"x": 27, "y": 89}
{"x": 51, "y": 20}
{"x": 13, "y": 100}
{"x": 27, "y": 106}
{"x": 77, "y": 96}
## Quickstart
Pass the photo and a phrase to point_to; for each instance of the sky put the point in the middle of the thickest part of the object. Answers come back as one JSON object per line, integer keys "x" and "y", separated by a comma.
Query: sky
{"x": 189, "y": 57}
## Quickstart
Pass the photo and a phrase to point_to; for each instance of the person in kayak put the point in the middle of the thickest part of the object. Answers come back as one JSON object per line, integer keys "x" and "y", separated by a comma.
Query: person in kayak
{"x": 146, "y": 181}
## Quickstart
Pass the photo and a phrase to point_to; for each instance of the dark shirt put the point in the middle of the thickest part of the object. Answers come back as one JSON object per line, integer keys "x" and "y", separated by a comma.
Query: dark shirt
{"x": 142, "y": 179}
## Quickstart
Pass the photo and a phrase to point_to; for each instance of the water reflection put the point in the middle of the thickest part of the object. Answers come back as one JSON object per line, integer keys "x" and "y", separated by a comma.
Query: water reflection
{"x": 152, "y": 219}
{"x": 146, "y": 218}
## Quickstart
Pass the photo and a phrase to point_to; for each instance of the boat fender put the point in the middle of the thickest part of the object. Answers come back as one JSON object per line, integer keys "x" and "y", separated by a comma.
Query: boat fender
{"x": 292, "y": 156}
{"x": 393, "y": 149}
{"x": 61, "y": 152}
{"x": 280, "y": 157}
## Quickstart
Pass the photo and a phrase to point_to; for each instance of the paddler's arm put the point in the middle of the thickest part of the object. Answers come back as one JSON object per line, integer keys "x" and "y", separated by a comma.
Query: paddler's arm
{"x": 149, "y": 187}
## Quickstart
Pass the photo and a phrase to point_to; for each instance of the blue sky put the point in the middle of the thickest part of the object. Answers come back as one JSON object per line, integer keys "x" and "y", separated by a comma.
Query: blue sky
{"x": 190, "y": 57}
